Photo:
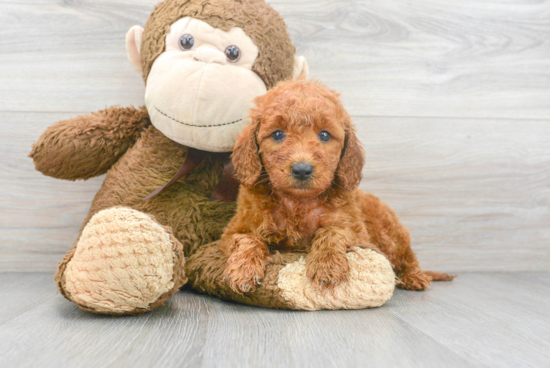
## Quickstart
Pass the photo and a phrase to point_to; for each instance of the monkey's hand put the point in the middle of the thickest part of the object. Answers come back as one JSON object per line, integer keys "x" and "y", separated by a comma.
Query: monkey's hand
{"x": 88, "y": 145}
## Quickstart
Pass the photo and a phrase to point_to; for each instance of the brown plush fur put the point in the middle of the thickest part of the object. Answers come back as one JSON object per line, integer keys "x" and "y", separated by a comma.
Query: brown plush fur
{"x": 179, "y": 277}
{"x": 87, "y": 146}
{"x": 139, "y": 159}
{"x": 324, "y": 216}
{"x": 184, "y": 209}
{"x": 205, "y": 270}
{"x": 259, "y": 21}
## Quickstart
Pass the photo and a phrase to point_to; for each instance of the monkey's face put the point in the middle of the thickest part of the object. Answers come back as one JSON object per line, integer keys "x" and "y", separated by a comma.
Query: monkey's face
{"x": 200, "y": 88}
{"x": 204, "y": 62}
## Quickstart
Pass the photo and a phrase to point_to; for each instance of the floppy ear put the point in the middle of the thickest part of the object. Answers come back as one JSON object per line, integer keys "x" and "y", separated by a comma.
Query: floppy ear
{"x": 348, "y": 173}
{"x": 246, "y": 158}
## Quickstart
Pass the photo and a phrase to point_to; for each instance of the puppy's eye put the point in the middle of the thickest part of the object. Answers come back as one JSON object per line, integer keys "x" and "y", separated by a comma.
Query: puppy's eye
{"x": 278, "y": 136}
{"x": 324, "y": 136}
{"x": 233, "y": 53}
{"x": 187, "y": 41}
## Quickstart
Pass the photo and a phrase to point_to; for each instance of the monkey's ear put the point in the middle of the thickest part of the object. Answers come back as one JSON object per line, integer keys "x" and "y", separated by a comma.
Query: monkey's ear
{"x": 133, "y": 46}
{"x": 245, "y": 158}
{"x": 301, "y": 70}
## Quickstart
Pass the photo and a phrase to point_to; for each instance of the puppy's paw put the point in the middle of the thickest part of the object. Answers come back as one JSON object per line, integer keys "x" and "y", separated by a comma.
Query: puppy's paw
{"x": 244, "y": 271}
{"x": 327, "y": 270}
{"x": 414, "y": 280}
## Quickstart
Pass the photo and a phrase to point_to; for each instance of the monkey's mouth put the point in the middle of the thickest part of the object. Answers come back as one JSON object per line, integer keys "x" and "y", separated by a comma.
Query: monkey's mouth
{"x": 197, "y": 126}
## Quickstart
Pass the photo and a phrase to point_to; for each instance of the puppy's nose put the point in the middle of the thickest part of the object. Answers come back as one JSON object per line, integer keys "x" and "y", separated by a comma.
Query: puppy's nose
{"x": 302, "y": 170}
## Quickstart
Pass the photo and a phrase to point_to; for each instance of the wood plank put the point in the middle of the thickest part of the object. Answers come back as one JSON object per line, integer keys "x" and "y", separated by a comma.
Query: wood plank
{"x": 21, "y": 292}
{"x": 493, "y": 320}
{"x": 422, "y": 58}
{"x": 459, "y": 58}
{"x": 39, "y": 216}
{"x": 319, "y": 339}
{"x": 196, "y": 330}
{"x": 476, "y": 320}
{"x": 60, "y": 334}
{"x": 68, "y": 56}
{"x": 475, "y": 193}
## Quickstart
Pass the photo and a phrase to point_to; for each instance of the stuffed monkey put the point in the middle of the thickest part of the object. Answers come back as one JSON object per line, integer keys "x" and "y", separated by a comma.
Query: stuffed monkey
{"x": 168, "y": 192}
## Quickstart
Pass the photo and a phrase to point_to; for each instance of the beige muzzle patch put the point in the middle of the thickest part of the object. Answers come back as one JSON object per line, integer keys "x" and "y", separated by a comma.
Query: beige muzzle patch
{"x": 197, "y": 97}
{"x": 123, "y": 261}
{"x": 371, "y": 283}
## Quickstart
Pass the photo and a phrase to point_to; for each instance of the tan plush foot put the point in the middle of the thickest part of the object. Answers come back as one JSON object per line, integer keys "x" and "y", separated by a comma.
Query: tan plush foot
{"x": 124, "y": 262}
{"x": 371, "y": 282}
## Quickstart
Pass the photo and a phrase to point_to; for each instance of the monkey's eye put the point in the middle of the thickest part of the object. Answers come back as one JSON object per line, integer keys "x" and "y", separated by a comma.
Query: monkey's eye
{"x": 324, "y": 136}
{"x": 233, "y": 53}
{"x": 278, "y": 136}
{"x": 187, "y": 41}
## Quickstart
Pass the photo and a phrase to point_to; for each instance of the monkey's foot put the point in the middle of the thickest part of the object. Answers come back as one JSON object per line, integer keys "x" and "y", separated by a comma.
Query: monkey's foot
{"x": 123, "y": 263}
{"x": 370, "y": 283}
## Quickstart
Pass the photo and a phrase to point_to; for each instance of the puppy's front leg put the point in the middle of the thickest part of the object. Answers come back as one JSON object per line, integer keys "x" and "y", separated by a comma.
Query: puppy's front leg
{"x": 246, "y": 262}
{"x": 327, "y": 264}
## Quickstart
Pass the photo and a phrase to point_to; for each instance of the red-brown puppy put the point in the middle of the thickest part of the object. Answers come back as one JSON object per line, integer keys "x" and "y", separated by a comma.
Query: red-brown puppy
{"x": 299, "y": 163}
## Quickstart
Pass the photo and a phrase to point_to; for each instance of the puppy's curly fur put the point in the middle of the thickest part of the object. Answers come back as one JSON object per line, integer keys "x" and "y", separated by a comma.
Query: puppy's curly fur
{"x": 321, "y": 211}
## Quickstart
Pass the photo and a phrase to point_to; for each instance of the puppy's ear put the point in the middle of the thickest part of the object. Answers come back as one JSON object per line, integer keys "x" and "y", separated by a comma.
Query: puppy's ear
{"x": 348, "y": 173}
{"x": 246, "y": 158}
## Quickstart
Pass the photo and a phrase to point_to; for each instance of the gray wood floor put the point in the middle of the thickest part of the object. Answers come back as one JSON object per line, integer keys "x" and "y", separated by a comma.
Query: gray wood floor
{"x": 478, "y": 320}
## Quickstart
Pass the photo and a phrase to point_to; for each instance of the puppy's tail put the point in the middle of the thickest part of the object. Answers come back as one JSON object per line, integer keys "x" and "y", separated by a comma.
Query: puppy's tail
{"x": 440, "y": 276}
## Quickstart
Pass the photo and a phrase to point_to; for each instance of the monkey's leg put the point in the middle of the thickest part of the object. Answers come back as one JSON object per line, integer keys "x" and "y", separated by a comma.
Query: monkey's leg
{"x": 88, "y": 145}
{"x": 285, "y": 285}
{"x": 124, "y": 262}
{"x": 394, "y": 241}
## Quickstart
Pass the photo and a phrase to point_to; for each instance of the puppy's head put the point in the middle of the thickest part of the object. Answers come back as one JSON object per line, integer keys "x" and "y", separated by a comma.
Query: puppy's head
{"x": 303, "y": 138}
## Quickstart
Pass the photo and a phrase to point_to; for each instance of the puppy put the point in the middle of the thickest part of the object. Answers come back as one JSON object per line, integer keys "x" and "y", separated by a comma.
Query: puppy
{"x": 299, "y": 163}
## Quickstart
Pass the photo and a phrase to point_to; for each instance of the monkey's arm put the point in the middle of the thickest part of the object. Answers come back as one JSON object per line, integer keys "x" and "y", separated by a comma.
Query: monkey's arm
{"x": 88, "y": 145}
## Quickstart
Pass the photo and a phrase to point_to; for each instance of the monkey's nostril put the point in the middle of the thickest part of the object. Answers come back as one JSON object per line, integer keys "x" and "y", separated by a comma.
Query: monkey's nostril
{"x": 302, "y": 170}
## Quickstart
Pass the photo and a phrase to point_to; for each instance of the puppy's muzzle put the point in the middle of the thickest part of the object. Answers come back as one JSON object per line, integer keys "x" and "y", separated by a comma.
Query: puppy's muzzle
{"x": 302, "y": 171}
